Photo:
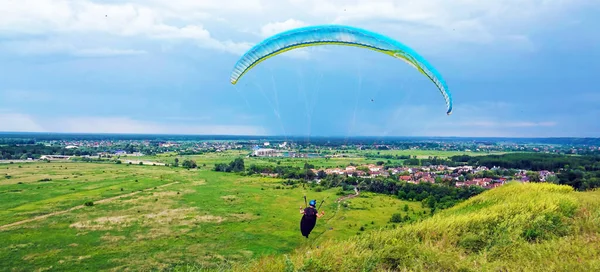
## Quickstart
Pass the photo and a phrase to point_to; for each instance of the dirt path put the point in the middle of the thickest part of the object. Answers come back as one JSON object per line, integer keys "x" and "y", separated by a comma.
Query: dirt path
{"x": 80, "y": 207}
{"x": 349, "y": 196}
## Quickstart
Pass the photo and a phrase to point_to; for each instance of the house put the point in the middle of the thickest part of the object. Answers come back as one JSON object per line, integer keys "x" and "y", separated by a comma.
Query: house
{"x": 374, "y": 168}
{"x": 427, "y": 179}
{"x": 405, "y": 178}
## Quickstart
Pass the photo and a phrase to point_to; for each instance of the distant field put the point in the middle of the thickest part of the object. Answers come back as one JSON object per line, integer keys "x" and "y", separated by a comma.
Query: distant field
{"x": 168, "y": 216}
{"x": 357, "y": 157}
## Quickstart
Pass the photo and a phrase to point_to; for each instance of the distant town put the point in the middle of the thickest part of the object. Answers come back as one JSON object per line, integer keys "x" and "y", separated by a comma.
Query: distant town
{"x": 459, "y": 176}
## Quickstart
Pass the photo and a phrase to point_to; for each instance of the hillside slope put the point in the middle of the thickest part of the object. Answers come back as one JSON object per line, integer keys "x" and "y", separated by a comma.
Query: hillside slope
{"x": 516, "y": 227}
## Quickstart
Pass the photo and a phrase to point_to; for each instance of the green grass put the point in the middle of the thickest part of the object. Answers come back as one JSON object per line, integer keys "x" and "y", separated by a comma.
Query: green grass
{"x": 201, "y": 219}
{"x": 355, "y": 157}
{"x": 516, "y": 227}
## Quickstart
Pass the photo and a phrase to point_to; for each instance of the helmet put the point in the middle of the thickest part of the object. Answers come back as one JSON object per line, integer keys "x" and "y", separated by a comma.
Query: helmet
{"x": 313, "y": 203}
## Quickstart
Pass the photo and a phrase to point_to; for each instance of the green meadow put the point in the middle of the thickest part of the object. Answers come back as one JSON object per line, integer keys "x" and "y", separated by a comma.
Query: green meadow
{"x": 62, "y": 216}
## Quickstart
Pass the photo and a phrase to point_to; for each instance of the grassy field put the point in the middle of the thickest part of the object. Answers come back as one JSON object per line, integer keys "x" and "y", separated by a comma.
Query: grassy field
{"x": 516, "y": 227}
{"x": 207, "y": 161}
{"x": 156, "y": 217}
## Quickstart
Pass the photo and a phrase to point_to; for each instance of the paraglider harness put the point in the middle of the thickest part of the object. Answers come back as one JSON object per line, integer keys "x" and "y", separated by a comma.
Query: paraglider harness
{"x": 309, "y": 219}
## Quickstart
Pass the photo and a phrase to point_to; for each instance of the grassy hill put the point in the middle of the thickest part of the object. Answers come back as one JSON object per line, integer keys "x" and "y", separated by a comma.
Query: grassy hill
{"x": 517, "y": 227}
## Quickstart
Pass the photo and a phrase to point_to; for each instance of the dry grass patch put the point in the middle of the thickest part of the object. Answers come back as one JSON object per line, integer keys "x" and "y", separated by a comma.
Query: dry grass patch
{"x": 105, "y": 223}
{"x": 243, "y": 216}
{"x": 111, "y": 238}
{"x": 46, "y": 254}
{"x": 229, "y": 198}
{"x": 198, "y": 182}
{"x": 209, "y": 218}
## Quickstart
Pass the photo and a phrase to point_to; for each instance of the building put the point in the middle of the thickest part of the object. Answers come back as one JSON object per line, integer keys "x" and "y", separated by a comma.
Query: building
{"x": 265, "y": 152}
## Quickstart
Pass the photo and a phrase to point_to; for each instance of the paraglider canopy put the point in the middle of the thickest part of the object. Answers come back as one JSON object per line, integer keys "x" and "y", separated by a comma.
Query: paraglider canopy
{"x": 338, "y": 35}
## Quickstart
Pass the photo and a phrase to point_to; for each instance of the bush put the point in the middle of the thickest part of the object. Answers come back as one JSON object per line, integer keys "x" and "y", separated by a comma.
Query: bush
{"x": 89, "y": 203}
{"x": 396, "y": 218}
{"x": 189, "y": 164}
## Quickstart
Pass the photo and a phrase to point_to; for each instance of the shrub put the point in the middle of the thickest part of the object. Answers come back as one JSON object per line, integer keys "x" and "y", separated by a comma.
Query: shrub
{"x": 396, "y": 218}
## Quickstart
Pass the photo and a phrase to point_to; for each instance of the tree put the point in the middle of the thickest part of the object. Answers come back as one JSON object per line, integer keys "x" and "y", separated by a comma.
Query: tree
{"x": 308, "y": 166}
{"x": 533, "y": 176}
{"x": 402, "y": 195}
{"x": 189, "y": 164}
{"x": 396, "y": 218}
{"x": 552, "y": 179}
{"x": 237, "y": 165}
{"x": 363, "y": 168}
{"x": 176, "y": 164}
{"x": 321, "y": 174}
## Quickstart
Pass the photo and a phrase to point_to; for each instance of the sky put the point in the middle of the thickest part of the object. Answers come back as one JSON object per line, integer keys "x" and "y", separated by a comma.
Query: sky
{"x": 515, "y": 68}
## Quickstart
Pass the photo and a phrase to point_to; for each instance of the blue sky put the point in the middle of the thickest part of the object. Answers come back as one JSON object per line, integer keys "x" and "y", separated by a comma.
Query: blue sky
{"x": 515, "y": 68}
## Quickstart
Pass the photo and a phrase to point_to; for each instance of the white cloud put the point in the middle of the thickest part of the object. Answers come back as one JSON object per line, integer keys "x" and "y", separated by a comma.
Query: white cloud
{"x": 26, "y": 123}
{"x": 56, "y": 46}
{"x": 103, "y": 52}
{"x": 416, "y": 22}
{"x": 435, "y": 21}
{"x": 15, "y": 122}
{"x": 62, "y": 17}
{"x": 127, "y": 125}
{"x": 492, "y": 124}
{"x": 276, "y": 27}
{"x": 487, "y": 119}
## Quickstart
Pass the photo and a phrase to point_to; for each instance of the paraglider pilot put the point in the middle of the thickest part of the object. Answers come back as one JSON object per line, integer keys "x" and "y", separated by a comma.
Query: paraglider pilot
{"x": 309, "y": 218}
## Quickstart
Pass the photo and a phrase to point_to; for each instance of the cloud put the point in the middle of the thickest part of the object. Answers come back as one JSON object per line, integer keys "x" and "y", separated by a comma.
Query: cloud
{"x": 105, "y": 52}
{"x": 26, "y": 123}
{"x": 485, "y": 119}
{"x": 421, "y": 23}
{"x": 128, "y": 125}
{"x": 514, "y": 124}
{"x": 432, "y": 22}
{"x": 36, "y": 47}
{"x": 274, "y": 28}
{"x": 61, "y": 17}
{"x": 15, "y": 122}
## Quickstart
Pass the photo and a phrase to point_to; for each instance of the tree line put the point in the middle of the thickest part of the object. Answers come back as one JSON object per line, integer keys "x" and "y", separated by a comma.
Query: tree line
{"x": 22, "y": 152}
{"x": 533, "y": 161}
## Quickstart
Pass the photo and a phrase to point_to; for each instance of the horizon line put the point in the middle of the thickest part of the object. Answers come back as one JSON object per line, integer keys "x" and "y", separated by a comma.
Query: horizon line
{"x": 290, "y": 136}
